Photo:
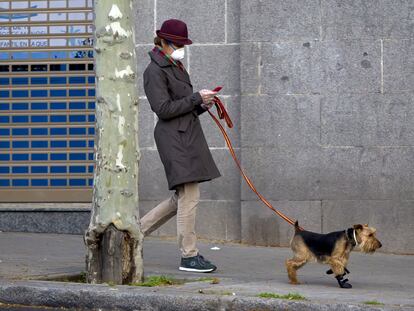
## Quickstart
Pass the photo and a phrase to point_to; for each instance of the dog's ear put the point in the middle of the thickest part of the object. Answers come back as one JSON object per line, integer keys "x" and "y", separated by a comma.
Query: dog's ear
{"x": 358, "y": 227}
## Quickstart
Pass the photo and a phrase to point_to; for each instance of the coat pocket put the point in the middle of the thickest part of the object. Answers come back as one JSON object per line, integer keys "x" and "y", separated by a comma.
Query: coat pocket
{"x": 184, "y": 123}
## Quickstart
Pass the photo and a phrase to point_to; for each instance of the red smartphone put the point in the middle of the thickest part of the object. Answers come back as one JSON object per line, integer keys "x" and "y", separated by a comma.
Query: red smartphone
{"x": 217, "y": 89}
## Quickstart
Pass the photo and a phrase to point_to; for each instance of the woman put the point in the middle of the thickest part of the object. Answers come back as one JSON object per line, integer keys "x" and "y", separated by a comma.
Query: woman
{"x": 180, "y": 140}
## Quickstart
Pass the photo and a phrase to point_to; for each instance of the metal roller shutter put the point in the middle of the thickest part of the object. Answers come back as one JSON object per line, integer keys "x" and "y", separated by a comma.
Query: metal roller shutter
{"x": 47, "y": 101}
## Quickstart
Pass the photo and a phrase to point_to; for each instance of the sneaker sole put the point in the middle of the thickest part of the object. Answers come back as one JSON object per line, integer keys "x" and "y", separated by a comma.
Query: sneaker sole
{"x": 196, "y": 270}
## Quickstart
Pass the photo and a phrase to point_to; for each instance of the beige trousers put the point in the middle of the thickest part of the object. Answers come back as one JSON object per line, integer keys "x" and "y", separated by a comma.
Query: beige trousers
{"x": 182, "y": 203}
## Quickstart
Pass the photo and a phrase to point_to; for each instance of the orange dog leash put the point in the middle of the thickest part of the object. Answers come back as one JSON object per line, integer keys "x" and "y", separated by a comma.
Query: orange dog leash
{"x": 222, "y": 113}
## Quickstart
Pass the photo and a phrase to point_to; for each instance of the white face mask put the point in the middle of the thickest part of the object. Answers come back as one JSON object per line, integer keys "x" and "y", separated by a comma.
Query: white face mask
{"x": 178, "y": 54}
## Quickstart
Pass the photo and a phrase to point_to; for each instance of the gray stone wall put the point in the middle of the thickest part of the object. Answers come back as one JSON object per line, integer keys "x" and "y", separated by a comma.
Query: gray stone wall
{"x": 337, "y": 99}
{"x": 321, "y": 93}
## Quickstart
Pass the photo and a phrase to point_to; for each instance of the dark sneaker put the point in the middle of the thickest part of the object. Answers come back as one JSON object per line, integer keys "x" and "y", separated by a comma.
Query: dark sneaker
{"x": 203, "y": 259}
{"x": 196, "y": 264}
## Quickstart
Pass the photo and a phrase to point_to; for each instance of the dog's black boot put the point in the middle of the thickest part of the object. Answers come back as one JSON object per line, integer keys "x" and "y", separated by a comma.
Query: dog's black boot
{"x": 343, "y": 283}
{"x": 330, "y": 271}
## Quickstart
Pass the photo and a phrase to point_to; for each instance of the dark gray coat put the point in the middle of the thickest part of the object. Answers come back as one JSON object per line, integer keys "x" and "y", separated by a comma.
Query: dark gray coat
{"x": 178, "y": 134}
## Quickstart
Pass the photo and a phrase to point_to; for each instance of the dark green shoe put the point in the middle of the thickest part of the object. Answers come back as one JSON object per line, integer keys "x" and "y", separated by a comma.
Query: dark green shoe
{"x": 196, "y": 264}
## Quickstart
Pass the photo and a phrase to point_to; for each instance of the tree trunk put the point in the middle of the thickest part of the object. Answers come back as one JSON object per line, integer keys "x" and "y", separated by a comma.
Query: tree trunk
{"x": 114, "y": 237}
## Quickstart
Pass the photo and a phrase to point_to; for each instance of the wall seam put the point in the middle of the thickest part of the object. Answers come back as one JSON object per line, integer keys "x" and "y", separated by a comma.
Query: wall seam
{"x": 155, "y": 16}
{"x": 382, "y": 66}
{"x": 225, "y": 21}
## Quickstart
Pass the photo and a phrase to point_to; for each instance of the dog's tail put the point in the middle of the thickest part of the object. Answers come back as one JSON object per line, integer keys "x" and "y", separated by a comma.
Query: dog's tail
{"x": 297, "y": 229}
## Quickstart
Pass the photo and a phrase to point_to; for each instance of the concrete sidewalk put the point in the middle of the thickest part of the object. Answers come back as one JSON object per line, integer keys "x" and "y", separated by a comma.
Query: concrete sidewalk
{"x": 244, "y": 272}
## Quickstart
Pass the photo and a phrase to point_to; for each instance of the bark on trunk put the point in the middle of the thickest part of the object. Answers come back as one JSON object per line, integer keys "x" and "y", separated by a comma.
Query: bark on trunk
{"x": 114, "y": 238}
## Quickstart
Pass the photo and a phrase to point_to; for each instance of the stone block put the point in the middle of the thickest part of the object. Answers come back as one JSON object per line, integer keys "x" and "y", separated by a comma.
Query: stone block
{"x": 233, "y": 21}
{"x": 269, "y": 20}
{"x": 226, "y": 187}
{"x": 359, "y": 19}
{"x": 215, "y": 65}
{"x": 250, "y": 67}
{"x": 283, "y": 173}
{"x": 367, "y": 173}
{"x": 146, "y": 125}
{"x": 398, "y": 66}
{"x": 393, "y": 220}
{"x": 397, "y": 19}
{"x": 204, "y": 19}
{"x": 219, "y": 220}
{"x": 367, "y": 120}
{"x": 314, "y": 67}
{"x": 45, "y": 207}
{"x": 349, "y": 173}
{"x": 152, "y": 180}
{"x": 351, "y": 66}
{"x": 261, "y": 226}
{"x": 395, "y": 176}
{"x": 351, "y": 19}
{"x": 282, "y": 121}
{"x": 144, "y": 21}
{"x": 66, "y": 222}
{"x": 292, "y": 68}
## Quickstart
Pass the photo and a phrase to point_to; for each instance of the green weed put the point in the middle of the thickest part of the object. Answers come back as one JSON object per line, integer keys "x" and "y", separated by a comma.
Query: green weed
{"x": 373, "y": 302}
{"x": 289, "y": 296}
{"x": 159, "y": 280}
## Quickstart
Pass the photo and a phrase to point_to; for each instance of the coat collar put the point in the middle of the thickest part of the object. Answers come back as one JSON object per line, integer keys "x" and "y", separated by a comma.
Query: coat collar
{"x": 157, "y": 58}
{"x": 162, "y": 62}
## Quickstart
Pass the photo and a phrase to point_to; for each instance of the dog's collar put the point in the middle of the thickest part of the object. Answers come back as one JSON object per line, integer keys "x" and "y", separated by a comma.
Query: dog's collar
{"x": 351, "y": 235}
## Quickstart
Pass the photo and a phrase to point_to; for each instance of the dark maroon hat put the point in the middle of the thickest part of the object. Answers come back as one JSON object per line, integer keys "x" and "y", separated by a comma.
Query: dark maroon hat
{"x": 175, "y": 31}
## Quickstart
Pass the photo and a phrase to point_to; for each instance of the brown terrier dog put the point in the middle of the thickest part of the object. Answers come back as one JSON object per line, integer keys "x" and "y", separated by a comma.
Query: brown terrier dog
{"x": 332, "y": 249}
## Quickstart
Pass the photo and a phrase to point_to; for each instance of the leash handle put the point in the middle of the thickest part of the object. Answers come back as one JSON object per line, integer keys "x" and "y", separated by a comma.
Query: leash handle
{"x": 222, "y": 113}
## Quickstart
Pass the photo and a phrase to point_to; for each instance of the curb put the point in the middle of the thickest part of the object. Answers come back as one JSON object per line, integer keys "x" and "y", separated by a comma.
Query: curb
{"x": 104, "y": 297}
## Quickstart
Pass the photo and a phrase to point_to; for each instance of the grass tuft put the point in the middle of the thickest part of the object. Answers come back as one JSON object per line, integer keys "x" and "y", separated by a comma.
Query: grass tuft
{"x": 82, "y": 277}
{"x": 289, "y": 296}
{"x": 159, "y": 280}
{"x": 206, "y": 279}
{"x": 111, "y": 284}
{"x": 373, "y": 302}
{"x": 215, "y": 281}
